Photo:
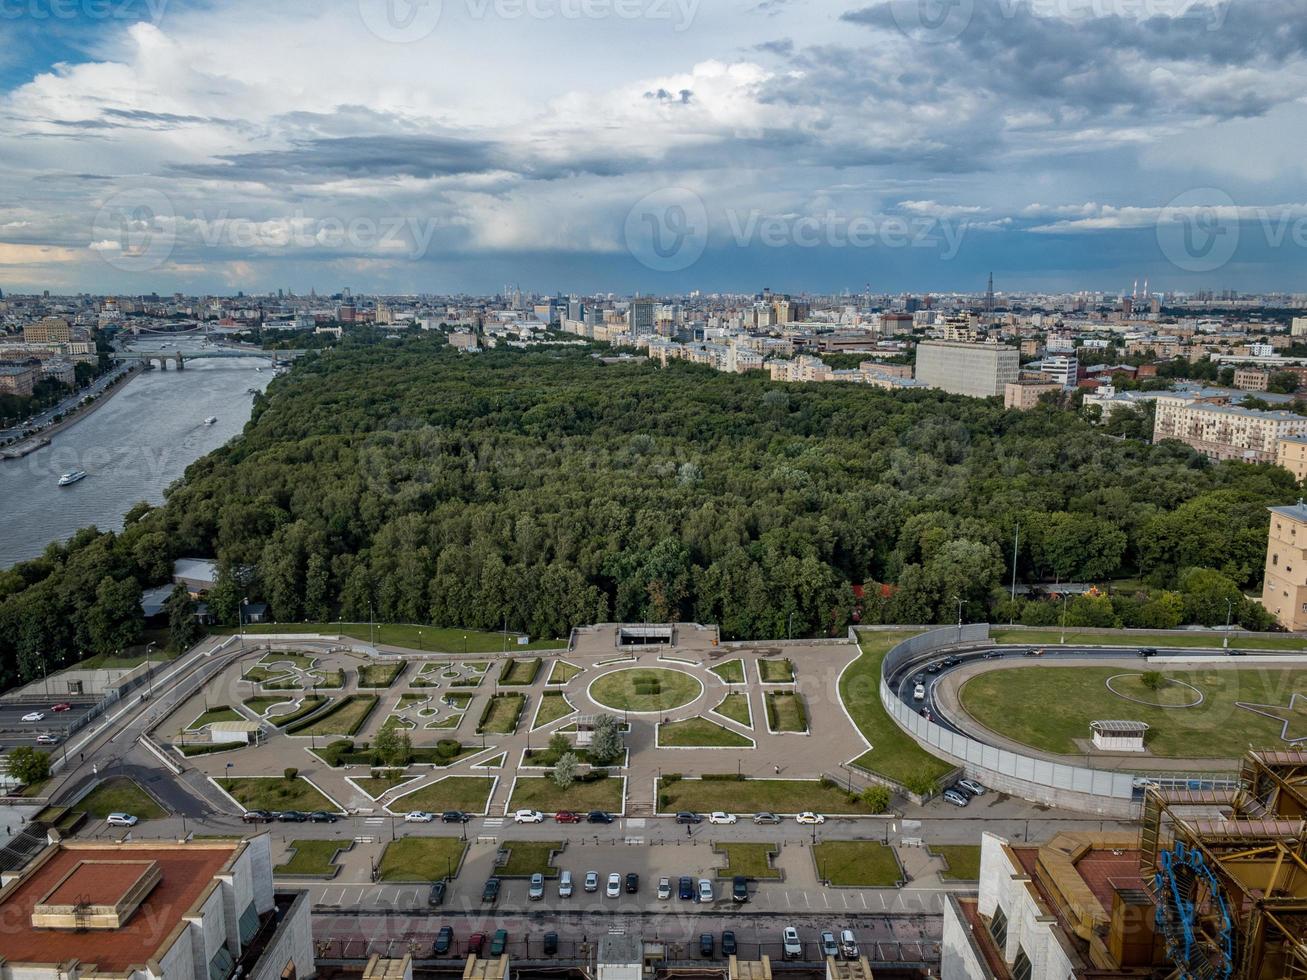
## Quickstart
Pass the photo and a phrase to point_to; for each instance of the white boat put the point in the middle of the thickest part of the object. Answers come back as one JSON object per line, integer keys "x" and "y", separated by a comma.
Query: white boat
{"x": 211, "y": 420}
{"x": 68, "y": 479}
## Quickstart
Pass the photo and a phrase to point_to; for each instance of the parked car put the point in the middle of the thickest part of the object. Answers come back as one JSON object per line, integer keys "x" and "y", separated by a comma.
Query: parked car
{"x": 47, "y": 739}
{"x": 437, "y": 894}
{"x": 528, "y": 816}
{"x": 919, "y": 692}
{"x": 475, "y": 942}
{"x": 491, "y": 892}
{"x": 685, "y": 888}
{"x": 322, "y": 816}
{"x": 739, "y": 889}
{"x": 761, "y": 818}
{"x": 956, "y": 797}
{"x": 455, "y": 816}
{"x": 293, "y": 816}
{"x": 499, "y": 942}
{"x": 62, "y": 706}
{"x": 720, "y": 817}
{"x": 34, "y": 716}
{"x": 664, "y": 889}
{"x": 705, "y": 891}
{"x": 592, "y": 881}
{"x": 1035, "y": 652}
{"x": 686, "y": 817}
{"x": 828, "y": 945}
{"x": 257, "y": 816}
{"x": 444, "y": 941}
{"x": 707, "y": 946}
{"x": 848, "y": 945}
{"x": 565, "y": 885}
{"x": 790, "y": 945}
{"x": 808, "y": 817}
{"x": 120, "y": 820}
{"x": 536, "y": 890}
{"x": 729, "y": 947}
{"x": 972, "y": 787}
{"x": 599, "y": 816}
{"x": 614, "y": 888}
{"x": 419, "y": 816}
{"x": 551, "y": 943}
{"x": 567, "y": 816}
{"x": 632, "y": 883}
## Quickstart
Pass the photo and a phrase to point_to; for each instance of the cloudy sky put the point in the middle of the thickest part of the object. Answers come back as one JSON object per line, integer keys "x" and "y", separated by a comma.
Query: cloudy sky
{"x": 655, "y": 145}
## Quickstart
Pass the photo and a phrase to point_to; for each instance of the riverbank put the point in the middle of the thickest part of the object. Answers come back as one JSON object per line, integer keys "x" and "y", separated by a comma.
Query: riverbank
{"x": 42, "y": 437}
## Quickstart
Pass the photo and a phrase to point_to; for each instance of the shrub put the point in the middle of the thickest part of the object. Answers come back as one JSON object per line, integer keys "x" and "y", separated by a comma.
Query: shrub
{"x": 290, "y": 773}
{"x": 1154, "y": 680}
{"x": 671, "y": 777}
{"x": 447, "y": 748}
{"x": 723, "y": 777}
{"x": 877, "y": 798}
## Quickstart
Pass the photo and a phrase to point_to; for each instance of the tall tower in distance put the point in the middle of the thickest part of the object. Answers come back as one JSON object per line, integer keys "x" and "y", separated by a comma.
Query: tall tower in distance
{"x": 989, "y": 298}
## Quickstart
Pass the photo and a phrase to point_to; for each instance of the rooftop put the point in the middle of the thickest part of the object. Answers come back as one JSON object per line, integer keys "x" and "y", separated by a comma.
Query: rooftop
{"x": 1295, "y": 512}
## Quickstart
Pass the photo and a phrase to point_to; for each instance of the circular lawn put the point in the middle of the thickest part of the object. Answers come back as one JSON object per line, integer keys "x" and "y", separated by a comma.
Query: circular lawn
{"x": 645, "y": 689}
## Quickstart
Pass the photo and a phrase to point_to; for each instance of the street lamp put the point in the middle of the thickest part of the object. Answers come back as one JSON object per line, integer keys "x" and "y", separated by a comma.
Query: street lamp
{"x": 1064, "y": 618}
{"x": 958, "y": 600}
{"x": 1229, "y": 616}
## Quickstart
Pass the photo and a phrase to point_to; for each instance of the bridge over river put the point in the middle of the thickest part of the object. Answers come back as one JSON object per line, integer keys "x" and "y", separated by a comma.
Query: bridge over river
{"x": 179, "y": 357}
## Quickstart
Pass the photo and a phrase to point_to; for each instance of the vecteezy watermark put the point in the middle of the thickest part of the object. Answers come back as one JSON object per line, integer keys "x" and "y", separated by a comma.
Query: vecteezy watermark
{"x": 52, "y": 10}
{"x": 135, "y": 230}
{"x": 401, "y": 21}
{"x": 407, "y": 21}
{"x": 667, "y": 231}
{"x": 836, "y": 230}
{"x": 1198, "y": 231}
{"x": 406, "y": 236}
{"x": 933, "y": 21}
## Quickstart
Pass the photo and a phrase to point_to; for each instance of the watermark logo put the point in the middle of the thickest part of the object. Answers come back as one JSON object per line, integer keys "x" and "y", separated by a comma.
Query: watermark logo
{"x": 401, "y": 21}
{"x": 84, "y": 10}
{"x": 833, "y": 230}
{"x": 667, "y": 231}
{"x": 932, "y": 21}
{"x": 1198, "y": 231}
{"x": 135, "y": 230}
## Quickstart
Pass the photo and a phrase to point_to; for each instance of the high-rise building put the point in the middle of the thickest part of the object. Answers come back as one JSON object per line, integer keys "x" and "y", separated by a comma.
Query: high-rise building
{"x": 51, "y": 330}
{"x": 1284, "y": 589}
{"x": 977, "y": 370}
{"x": 640, "y": 317}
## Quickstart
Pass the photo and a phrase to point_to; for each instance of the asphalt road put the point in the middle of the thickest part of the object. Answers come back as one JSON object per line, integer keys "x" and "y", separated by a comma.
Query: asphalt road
{"x": 15, "y": 731}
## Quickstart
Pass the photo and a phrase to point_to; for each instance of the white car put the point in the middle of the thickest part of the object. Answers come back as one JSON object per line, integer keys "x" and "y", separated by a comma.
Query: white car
{"x": 664, "y": 889}
{"x": 419, "y": 816}
{"x": 705, "y": 891}
{"x": 120, "y": 820}
{"x": 34, "y": 716}
{"x": 528, "y": 816}
{"x": 614, "y": 889}
{"x": 808, "y": 817}
{"x": 44, "y": 739}
{"x": 919, "y": 692}
{"x": 717, "y": 816}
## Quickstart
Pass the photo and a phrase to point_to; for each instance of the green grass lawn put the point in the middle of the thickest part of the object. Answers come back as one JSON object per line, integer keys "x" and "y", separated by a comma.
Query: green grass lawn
{"x": 893, "y": 753}
{"x": 648, "y": 689}
{"x": 1051, "y": 637}
{"x": 776, "y": 671}
{"x": 699, "y": 732}
{"x": 260, "y": 705}
{"x": 501, "y": 714}
{"x": 862, "y": 863}
{"x": 526, "y": 858}
{"x": 519, "y": 673}
{"x": 1050, "y": 707}
{"x": 732, "y": 672}
{"x": 216, "y": 713}
{"x": 259, "y": 674}
{"x": 120, "y": 795}
{"x": 750, "y": 860}
{"x": 963, "y": 861}
{"x": 430, "y": 639}
{"x": 552, "y": 707}
{"x": 375, "y": 786}
{"x": 540, "y": 793}
{"x": 467, "y": 793}
{"x": 422, "y": 859}
{"x": 380, "y": 675}
{"x": 275, "y": 793}
{"x": 755, "y": 796}
{"x": 562, "y": 672}
{"x": 736, "y": 707}
{"x": 127, "y": 661}
{"x": 345, "y": 717}
{"x": 308, "y": 705}
{"x": 311, "y": 857}
{"x": 786, "y": 711}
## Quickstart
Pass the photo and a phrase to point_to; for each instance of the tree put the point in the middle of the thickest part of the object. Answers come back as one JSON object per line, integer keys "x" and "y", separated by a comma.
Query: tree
{"x": 28, "y": 765}
{"x": 559, "y": 744}
{"x": 183, "y": 628}
{"x": 392, "y": 748}
{"x": 115, "y": 620}
{"x": 877, "y": 798}
{"x": 1153, "y": 679}
{"x": 606, "y": 744}
{"x": 564, "y": 773}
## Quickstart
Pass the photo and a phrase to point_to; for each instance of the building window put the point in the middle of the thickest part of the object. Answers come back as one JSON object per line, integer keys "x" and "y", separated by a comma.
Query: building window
{"x": 1021, "y": 968}
{"x": 1275, "y": 559}
{"x": 998, "y": 928}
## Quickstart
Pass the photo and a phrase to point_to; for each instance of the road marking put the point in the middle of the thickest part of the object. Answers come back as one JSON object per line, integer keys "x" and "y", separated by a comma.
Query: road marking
{"x": 636, "y": 823}
{"x": 494, "y": 822}
{"x": 863, "y": 896}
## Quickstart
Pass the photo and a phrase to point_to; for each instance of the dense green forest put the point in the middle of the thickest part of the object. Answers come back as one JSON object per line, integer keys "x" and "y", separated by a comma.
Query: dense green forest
{"x": 544, "y": 489}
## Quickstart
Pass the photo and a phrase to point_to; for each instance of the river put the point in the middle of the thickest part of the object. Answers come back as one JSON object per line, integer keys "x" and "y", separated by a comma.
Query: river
{"x": 132, "y": 447}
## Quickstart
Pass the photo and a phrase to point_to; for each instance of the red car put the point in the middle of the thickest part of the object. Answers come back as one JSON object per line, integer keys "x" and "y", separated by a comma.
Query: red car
{"x": 567, "y": 816}
{"x": 475, "y": 942}
{"x": 62, "y": 706}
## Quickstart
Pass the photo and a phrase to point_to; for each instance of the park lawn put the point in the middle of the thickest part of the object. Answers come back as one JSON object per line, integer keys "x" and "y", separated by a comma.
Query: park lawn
{"x": 736, "y": 707}
{"x": 380, "y": 675}
{"x": 748, "y": 859}
{"x": 501, "y": 714}
{"x": 127, "y": 661}
{"x": 540, "y": 793}
{"x": 519, "y": 673}
{"x": 893, "y": 754}
{"x": 346, "y": 717}
{"x": 312, "y": 857}
{"x": 217, "y": 713}
{"x": 732, "y": 672}
{"x": 332, "y": 680}
{"x": 496, "y": 763}
{"x": 259, "y": 674}
{"x": 120, "y": 795}
{"x": 552, "y": 707}
{"x": 276, "y": 793}
{"x": 262, "y": 703}
{"x": 756, "y": 796}
{"x": 421, "y": 859}
{"x": 429, "y": 639}
{"x": 963, "y": 861}
{"x": 526, "y": 858}
{"x": 562, "y": 672}
{"x": 376, "y": 786}
{"x": 786, "y": 711}
{"x": 1135, "y": 638}
{"x": 776, "y": 671}
{"x": 395, "y": 721}
{"x": 1050, "y": 707}
{"x": 308, "y": 705}
{"x": 547, "y": 758}
{"x": 700, "y": 733}
{"x": 467, "y": 793}
{"x": 645, "y": 689}
{"x": 446, "y": 724}
{"x": 862, "y": 863}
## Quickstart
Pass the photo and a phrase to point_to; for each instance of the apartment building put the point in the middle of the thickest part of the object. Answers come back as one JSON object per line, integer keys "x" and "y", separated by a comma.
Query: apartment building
{"x": 1025, "y": 395}
{"x": 18, "y": 379}
{"x": 1222, "y": 431}
{"x": 1252, "y": 379}
{"x": 1291, "y": 453}
{"x": 977, "y": 370}
{"x": 51, "y": 330}
{"x": 1284, "y": 589}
